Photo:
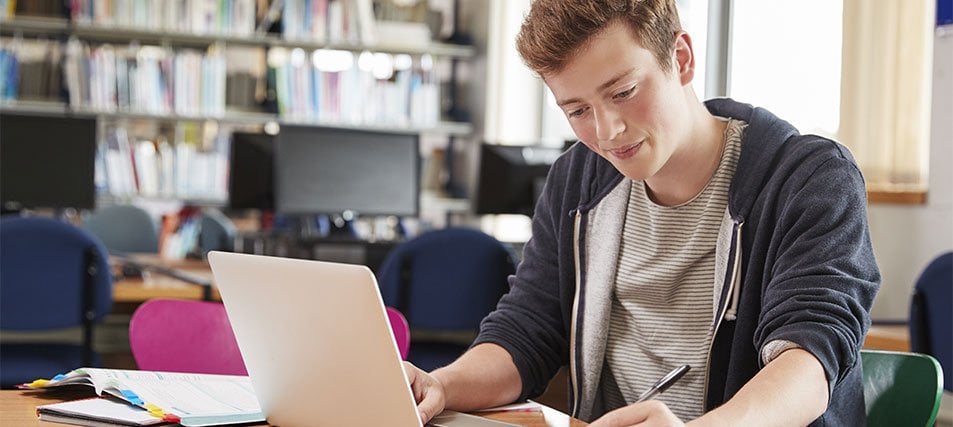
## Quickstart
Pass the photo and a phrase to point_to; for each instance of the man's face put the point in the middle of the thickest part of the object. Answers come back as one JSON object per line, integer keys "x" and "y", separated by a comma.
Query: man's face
{"x": 622, "y": 105}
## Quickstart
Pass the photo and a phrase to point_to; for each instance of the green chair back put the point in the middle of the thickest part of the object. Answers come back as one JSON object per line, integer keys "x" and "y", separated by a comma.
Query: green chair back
{"x": 901, "y": 389}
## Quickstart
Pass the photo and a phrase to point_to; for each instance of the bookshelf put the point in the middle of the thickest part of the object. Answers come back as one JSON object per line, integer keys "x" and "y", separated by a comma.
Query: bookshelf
{"x": 92, "y": 36}
{"x": 33, "y": 25}
{"x": 56, "y": 108}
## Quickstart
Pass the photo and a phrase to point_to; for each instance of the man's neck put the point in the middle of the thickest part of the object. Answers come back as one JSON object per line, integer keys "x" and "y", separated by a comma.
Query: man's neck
{"x": 691, "y": 167}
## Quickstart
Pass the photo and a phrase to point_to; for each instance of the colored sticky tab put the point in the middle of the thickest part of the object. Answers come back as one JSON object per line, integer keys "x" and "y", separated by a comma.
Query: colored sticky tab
{"x": 170, "y": 418}
{"x": 132, "y": 397}
{"x": 58, "y": 377}
{"x": 38, "y": 383}
{"x": 156, "y": 411}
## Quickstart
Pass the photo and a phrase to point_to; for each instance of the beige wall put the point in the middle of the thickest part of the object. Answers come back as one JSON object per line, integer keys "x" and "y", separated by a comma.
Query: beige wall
{"x": 906, "y": 238}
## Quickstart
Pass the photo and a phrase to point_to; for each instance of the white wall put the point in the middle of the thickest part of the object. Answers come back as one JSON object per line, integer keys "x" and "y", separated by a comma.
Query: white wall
{"x": 513, "y": 91}
{"x": 906, "y": 238}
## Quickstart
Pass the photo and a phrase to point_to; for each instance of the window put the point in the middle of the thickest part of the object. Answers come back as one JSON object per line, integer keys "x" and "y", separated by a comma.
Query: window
{"x": 785, "y": 56}
{"x": 854, "y": 70}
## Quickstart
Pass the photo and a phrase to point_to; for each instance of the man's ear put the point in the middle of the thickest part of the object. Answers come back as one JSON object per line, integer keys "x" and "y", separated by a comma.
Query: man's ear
{"x": 684, "y": 58}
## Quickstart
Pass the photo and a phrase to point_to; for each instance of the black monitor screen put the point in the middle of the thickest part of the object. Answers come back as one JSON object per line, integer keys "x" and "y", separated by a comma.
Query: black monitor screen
{"x": 250, "y": 180}
{"x": 323, "y": 170}
{"x": 512, "y": 177}
{"x": 47, "y": 162}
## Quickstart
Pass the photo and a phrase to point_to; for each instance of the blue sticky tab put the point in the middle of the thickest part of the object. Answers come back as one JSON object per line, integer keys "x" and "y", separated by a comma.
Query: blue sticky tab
{"x": 58, "y": 377}
{"x": 132, "y": 397}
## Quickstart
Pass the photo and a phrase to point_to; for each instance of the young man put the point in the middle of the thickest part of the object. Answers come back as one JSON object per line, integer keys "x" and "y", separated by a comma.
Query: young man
{"x": 712, "y": 235}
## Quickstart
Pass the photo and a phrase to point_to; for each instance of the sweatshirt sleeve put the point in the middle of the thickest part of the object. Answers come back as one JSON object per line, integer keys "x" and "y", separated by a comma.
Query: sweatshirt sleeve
{"x": 824, "y": 276}
{"x": 529, "y": 320}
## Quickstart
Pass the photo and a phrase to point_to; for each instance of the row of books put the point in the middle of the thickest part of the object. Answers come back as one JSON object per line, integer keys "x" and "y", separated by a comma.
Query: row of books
{"x": 148, "y": 79}
{"x": 367, "y": 89}
{"x": 327, "y": 86}
{"x": 29, "y": 69}
{"x": 334, "y": 21}
{"x": 127, "y": 166}
{"x": 222, "y": 17}
{"x": 321, "y": 21}
{"x": 11, "y": 8}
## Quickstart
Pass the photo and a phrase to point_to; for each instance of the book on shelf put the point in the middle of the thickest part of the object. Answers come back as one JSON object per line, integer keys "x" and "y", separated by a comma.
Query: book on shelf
{"x": 219, "y": 17}
{"x": 329, "y": 21}
{"x": 36, "y": 7}
{"x": 333, "y": 86}
{"x": 188, "y": 399}
{"x": 148, "y": 79}
{"x": 29, "y": 69}
{"x": 130, "y": 166}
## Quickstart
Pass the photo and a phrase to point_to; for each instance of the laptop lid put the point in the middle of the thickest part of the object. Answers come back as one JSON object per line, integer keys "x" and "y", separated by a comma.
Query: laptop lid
{"x": 316, "y": 341}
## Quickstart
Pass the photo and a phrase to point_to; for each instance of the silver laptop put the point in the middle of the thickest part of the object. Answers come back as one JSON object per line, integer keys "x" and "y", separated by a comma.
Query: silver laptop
{"x": 317, "y": 343}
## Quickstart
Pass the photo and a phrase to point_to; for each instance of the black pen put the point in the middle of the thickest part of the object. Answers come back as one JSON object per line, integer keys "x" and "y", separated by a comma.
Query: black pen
{"x": 664, "y": 383}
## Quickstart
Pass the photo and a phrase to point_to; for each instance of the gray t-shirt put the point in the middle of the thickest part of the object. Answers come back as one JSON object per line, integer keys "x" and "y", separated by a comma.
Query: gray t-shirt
{"x": 662, "y": 305}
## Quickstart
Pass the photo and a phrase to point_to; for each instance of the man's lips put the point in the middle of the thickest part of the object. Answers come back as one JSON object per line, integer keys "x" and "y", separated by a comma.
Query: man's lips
{"x": 625, "y": 152}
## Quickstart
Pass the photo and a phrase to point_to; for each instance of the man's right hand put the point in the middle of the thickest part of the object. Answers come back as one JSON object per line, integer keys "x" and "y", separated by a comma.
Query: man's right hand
{"x": 428, "y": 392}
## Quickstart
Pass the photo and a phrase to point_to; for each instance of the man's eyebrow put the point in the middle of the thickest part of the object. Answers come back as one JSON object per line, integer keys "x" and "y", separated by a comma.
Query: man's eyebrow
{"x": 615, "y": 79}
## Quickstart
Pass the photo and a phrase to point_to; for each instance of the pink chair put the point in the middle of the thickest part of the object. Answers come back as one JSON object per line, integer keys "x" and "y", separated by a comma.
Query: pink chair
{"x": 184, "y": 336}
{"x": 398, "y": 324}
{"x": 195, "y": 336}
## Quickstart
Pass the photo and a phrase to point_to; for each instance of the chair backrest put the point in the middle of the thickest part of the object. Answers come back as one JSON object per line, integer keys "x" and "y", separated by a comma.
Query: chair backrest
{"x": 184, "y": 336}
{"x": 931, "y": 325}
{"x": 447, "y": 279}
{"x": 124, "y": 228}
{"x": 901, "y": 388}
{"x": 195, "y": 336}
{"x": 48, "y": 268}
{"x": 398, "y": 324}
{"x": 53, "y": 276}
{"x": 217, "y": 231}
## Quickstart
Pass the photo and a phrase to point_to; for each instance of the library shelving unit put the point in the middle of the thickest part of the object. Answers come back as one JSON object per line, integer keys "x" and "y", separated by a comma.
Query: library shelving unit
{"x": 90, "y": 94}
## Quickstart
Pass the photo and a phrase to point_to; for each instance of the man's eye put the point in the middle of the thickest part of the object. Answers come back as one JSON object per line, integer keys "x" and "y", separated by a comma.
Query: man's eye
{"x": 625, "y": 93}
{"x": 576, "y": 112}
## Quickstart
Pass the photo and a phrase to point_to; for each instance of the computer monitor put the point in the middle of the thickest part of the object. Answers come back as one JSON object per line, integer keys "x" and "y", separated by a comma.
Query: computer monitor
{"x": 250, "y": 177}
{"x": 47, "y": 162}
{"x": 331, "y": 171}
{"x": 512, "y": 177}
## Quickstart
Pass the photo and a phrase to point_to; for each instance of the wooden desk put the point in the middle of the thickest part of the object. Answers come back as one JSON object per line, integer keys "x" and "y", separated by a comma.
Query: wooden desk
{"x": 888, "y": 337}
{"x": 136, "y": 290}
{"x": 18, "y": 408}
{"x": 139, "y": 290}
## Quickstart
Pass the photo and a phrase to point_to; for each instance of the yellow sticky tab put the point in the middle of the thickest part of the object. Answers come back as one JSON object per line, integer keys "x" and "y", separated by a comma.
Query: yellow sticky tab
{"x": 154, "y": 410}
{"x": 38, "y": 383}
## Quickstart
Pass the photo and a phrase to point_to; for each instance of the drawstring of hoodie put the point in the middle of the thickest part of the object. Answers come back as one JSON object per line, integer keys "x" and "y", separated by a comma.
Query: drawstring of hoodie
{"x": 732, "y": 312}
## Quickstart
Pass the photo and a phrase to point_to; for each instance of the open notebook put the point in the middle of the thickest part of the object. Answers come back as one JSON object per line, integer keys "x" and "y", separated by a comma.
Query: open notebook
{"x": 189, "y": 399}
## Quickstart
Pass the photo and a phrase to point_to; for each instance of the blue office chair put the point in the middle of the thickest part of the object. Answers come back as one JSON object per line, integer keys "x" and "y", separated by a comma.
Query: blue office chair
{"x": 52, "y": 276}
{"x": 124, "y": 228}
{"x": 931, "y": 325}
{"x": 445, "y": 282}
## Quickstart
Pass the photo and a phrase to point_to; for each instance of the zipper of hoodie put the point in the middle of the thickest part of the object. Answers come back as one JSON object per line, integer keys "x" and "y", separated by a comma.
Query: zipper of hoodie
{"x": 732, "y": 292}
{"x": 577, "y": 263}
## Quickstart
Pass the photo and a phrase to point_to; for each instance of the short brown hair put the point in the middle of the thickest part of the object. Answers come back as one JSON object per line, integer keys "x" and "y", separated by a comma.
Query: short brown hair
{"x": 555, "y": 30}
